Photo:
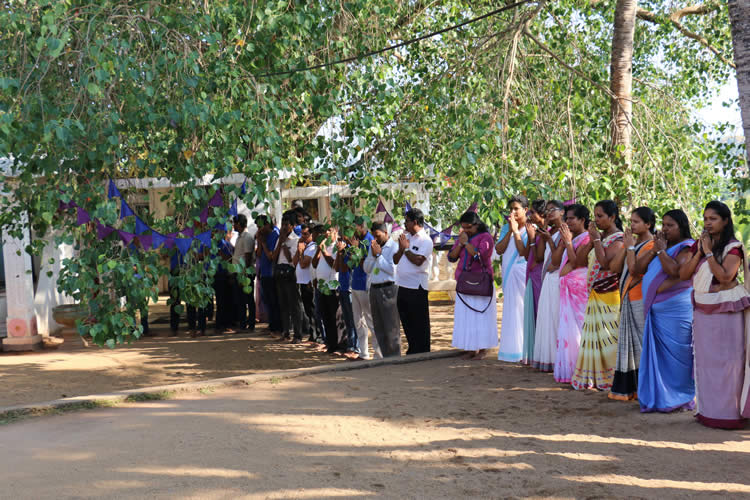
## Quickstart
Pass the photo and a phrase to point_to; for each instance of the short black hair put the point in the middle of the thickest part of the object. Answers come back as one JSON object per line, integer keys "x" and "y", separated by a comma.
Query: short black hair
{"x": 262, "y": 220}
{"x": 415, "y": 215}
{"x": 378, "y": 226}
{"x": 318, "y": 229}
{"x": 538, "y": 206}
{"x": 519, "y": 198}
{"x": 240, "y": 220}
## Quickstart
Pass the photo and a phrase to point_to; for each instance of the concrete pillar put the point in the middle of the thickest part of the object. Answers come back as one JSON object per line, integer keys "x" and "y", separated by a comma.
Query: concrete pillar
{"x": 21, "y": 320}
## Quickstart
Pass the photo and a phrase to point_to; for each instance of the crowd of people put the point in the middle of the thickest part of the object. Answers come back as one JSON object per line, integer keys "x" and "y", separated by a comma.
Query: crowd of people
{"x": 655, "y": 316}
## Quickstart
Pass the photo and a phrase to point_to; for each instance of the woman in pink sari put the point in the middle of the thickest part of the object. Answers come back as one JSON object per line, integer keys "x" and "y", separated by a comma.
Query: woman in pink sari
{"x": 573, "y": 289}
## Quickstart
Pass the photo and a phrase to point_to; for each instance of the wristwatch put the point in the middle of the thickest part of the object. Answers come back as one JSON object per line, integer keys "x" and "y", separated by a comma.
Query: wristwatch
{"x": 631, "y": 247}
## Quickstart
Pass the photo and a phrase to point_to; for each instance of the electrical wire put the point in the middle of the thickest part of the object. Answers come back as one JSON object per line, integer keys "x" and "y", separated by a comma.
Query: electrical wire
{"x": 396, "y": 46}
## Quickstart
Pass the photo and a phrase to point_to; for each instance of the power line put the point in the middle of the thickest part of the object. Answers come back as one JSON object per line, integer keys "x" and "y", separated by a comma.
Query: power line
{"x": 396, "y": 46}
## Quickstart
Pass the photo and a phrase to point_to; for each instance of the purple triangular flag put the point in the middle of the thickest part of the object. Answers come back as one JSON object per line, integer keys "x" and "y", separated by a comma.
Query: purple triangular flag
{"x": 473, "y": 207}
{"x": 169, "y": 242}
{"x": 569, "y": 202}
{"x": 140, "y": 226}
{"x": 216, "y": 200}
{"x": 146, "y": 240}
{"x": 82, "y": 216}
{"x": 113, "y": 192}
{"x": 183, "y": 245}
{"x": 381, "y": 207}
{"x": 204, "y": 215}
{"x": 387, "y": 219}
{"x": 188, "y": 232}
{"x": 125, "y": 210}
{"x": 395, "y": 227}
{"x": 126, "y": 237}
{"x": 103, "y": 231}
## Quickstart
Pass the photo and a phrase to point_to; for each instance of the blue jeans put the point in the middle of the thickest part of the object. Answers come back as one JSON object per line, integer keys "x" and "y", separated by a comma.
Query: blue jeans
{"x": 345, "y": 299}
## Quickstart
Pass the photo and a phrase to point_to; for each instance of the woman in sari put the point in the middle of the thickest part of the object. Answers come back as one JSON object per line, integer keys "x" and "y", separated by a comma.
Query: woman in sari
{"x": 720, "y": 321}
{"x": 597, "y": 356}
{"x": 512, "y": 242}
{"x": 475, "y": 317}
{"x": 573, "y": 291}
{"x": 548, "y": 311}
{"x": 665, "y": 375}
{"x": 534, "y": 254}
{"x": 630, "y": 335}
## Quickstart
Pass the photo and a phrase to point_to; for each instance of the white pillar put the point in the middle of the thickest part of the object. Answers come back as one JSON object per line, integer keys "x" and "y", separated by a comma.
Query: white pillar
{"x": 19, "y": 284}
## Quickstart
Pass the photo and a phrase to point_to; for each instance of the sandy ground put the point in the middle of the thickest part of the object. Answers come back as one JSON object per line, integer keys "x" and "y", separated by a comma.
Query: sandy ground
{"x": 434, "y": 429}
{"x": 73, "y": 370}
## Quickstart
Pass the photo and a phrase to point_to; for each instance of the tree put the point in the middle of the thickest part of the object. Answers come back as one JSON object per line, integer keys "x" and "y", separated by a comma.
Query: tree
{"x": 739, "y": 13}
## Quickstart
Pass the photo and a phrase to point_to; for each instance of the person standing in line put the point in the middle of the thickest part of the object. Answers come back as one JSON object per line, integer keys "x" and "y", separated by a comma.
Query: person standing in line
{"x": 548, "y": 315}
{"x": 222, "y": 287}
{"x": 632, "y": 317}
{"x": 267, "y": 237}
{"x": 574, "y": 292}
{"x": 475, "y": 317}
{"x": 413, "y": 260}
{"x": 302, "y": 261}
{"x": 361, "y": 296}
{"x": 534, "y": 255}
{"x": 244, "y": 258}
{"x": 597, "y": 356}
{"x": 323, "y": 262}
{"x": 665, "y": 372}
{"x": 286, "y": 279}
{"x": 341, "y": 264}
{"x": 383, "y": 291}
{"x": 720, "y": 316}
{"x": 511, "y": 246}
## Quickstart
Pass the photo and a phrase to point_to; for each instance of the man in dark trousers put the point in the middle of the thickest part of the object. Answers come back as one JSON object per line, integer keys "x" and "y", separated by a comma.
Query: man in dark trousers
{"x": 267, "y": 236}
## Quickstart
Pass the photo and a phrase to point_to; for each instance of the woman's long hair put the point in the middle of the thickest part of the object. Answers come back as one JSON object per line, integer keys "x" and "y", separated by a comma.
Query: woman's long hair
{"x": 648, "y": 216}
{"x": 470, "y": 217}
{"x": 611, "y": 209}
{"x": 727, "y": 234}
{"x": 682, "y": 221}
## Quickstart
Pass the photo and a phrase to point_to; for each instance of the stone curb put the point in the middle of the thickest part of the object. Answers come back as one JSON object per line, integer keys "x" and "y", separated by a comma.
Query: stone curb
{"x": 10, "y": 413}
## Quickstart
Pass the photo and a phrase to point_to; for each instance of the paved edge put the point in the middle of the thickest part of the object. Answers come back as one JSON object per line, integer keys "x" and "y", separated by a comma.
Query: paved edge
{"x": 11, "y": 413}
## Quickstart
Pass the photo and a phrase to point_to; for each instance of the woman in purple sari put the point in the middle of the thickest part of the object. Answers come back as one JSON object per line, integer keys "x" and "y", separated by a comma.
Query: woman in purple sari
{"x": 665, "y": 375}
{"x": 534, "y": 253}
{"x": 721, "y": 321}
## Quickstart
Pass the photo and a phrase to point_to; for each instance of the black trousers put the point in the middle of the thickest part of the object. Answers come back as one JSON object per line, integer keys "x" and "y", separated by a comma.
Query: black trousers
{"x": 271, "y": 301}
{"x": 196, "y": 316}
{"x": 244, "y": 303}
{"x": 414, "y": 312}
{"x": 174, "y": 316}
{"x": 224, "y": 302}
{"x": 290, "y": 305}
{"x": 309, "y": 325}
{"x": 329, "y": 304}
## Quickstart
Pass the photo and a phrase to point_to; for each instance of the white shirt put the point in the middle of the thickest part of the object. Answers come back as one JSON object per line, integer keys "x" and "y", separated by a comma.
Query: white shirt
{"x": 383, "y": 263}
{"x": 409, "y": 275}
{"x": 304, "y": 275}
{"x": 244, "y": 244}
{"x": 325, "y": 272}
{"x": 291, "y": 244}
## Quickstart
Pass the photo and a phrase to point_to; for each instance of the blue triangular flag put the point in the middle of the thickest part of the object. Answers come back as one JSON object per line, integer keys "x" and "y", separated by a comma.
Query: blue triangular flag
{"x": 243, "y": 188}
{"x": 408, "y": 207}
{"x": 233, "y": 209}
{"x": 113, "y": 191}
{"x": 140, "y": 226}
{"x": 204, "y": 238}
{"x": 183, "y": 245}
{"x": 157, "y": 240}
{"x": 125, "y": 210}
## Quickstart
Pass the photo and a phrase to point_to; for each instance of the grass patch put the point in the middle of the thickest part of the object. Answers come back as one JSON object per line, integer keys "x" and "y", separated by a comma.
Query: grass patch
{"x": 9, "y": 417}
{"x": 207, "y": 390}
{"x": 150, "y": 396}
{"x": 275, "y": 380}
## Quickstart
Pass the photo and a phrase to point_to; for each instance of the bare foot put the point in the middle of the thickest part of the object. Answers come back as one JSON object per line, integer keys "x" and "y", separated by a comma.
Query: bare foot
{"x": 480, "y": 354}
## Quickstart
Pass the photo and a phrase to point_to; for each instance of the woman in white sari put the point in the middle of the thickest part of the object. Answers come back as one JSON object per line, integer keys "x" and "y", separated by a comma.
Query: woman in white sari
{"x": 548, "y": 315}
{"x": 512, "y": 241}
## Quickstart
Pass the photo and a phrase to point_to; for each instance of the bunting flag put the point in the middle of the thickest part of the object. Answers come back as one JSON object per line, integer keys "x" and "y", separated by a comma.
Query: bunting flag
{"x": 169, "y": 242}
{"x": 408, "y": 207}
{"x": 103, "y": 231}
{"x": 157, "y": 240}
{"x": 126, "y": 237}
{"x": 140, "y": 226}
{"x": 569, "y": 202}
{"x": 183, "y": 245}
{"x": 473, "y": 207}
{"x": 388, "y": 219}
{"x": 204, "y": 216}
{"x": 125, "y": 210}
{"x": 204, "y": 238}
{"x": 233, "y": 212}
{"x": 381, "y": 207}
{"x": 216, "y": 200}
{"x": 82, "y": 216}
{"x": 113, "y": 192}
{"x": 188, "y": 232}
{"x": 146, "y": 240}
{"x": 395, "y": 227}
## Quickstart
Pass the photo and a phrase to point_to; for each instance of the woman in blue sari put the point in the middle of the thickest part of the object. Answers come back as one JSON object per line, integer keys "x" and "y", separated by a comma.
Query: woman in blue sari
{"x": 665, "y": 377}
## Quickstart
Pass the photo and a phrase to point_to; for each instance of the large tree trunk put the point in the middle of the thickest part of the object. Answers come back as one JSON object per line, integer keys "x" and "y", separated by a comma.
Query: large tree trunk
{"x": 739, "y": 13}
{"x": 621, "y": 78}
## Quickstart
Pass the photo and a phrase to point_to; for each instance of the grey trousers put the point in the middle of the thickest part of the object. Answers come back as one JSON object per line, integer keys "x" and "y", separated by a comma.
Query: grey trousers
{"x": 385, "y": 319}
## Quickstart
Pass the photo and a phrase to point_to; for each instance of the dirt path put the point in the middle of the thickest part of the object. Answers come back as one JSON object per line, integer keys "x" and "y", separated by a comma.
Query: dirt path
{"x": 434, "y": 429}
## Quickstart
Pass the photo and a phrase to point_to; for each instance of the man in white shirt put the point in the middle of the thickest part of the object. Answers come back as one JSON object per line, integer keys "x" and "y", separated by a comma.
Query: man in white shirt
{"x": 383, "y": 290}
{"x": 244, "y": 254}
{"x": 413, "y": 259}
{"x": 306, "y": 249}
{"x": 286, "y": 280}
{"x": 328, "y": 299}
